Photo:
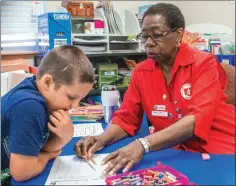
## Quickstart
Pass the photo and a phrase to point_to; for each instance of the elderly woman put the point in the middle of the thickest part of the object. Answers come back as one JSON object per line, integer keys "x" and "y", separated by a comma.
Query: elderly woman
{"x": 180, "y": 89}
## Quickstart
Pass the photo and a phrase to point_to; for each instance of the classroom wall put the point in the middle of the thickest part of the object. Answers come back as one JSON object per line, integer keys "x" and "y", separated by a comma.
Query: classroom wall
{"x": 217, "y": 12}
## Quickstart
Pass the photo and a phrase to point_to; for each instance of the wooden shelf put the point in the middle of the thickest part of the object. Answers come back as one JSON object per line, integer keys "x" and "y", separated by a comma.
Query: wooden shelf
{"x": 82, "y": 18}
{"x": 16, "y": 53}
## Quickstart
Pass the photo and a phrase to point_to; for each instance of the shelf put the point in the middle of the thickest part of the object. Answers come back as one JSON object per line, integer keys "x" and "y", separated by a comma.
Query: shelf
{"x": 89, "y": 43}
{"x": 89, "y": 35}
{"x": 96, "y": 35}
{"x": 115, "y": 53}
{"x": 82, "y": 18}
{"x": 110, "y": 53}
{"x": 124, "y": 42}
{"x": 14, "y": 53}
{"x": 118, "y": 35}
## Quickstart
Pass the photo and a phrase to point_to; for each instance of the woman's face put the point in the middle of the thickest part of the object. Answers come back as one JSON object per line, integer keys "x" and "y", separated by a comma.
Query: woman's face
{"x": 162, "y": 46}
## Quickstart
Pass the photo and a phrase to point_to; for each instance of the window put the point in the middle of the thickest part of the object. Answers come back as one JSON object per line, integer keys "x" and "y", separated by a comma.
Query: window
{"x": 19, "y": 25}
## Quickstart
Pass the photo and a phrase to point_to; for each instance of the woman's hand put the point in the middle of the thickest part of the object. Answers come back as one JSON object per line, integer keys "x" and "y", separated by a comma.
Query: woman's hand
{"x": 125, "y": 157}
{"x": 87, "y": 146}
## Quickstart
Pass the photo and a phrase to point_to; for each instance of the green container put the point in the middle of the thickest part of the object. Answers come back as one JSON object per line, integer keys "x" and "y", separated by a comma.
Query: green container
{"x": 125, "y": 83}
{"x": 108, "y": 79}
{"x": 107, "y": 73}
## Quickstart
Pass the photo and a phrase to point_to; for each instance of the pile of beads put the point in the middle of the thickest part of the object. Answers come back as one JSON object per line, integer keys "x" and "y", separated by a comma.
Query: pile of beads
{"x": 148, "y": 177}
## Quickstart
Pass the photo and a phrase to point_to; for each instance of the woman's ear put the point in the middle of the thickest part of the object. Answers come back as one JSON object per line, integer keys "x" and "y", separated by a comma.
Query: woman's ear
{"x": 180, "y": 33}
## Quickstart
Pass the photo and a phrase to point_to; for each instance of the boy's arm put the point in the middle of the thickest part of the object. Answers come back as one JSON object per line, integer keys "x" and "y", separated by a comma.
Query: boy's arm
{"x": 54, "y": 143}
{"x": 27, "y": 120}
{"x": 26, "y": 167}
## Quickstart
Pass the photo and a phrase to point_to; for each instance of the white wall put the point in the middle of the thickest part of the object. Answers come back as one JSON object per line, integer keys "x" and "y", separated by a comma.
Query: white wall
{"x": 217, "y": 12}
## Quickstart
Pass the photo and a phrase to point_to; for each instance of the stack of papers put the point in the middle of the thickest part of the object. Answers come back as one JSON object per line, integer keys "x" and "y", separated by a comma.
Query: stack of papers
{"x": 93, "y": 40}
{"x": 90, "y": 113}
{"x": 88, "y": 129}
{"x": 92, "y": 48}
{"x": 90, "y": 44}
{"x": 114, "y": 28}
{"x": 70, "y": 170}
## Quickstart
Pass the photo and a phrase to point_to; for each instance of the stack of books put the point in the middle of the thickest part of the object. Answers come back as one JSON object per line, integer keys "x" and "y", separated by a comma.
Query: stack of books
{"x": 91, "y": 113}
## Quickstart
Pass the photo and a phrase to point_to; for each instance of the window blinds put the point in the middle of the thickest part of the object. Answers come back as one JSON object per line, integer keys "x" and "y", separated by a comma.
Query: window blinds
{"x": 19, "y": 25}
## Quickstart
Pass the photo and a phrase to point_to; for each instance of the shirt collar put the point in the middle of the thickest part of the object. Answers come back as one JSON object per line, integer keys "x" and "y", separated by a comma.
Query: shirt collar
{"x": 183, "y": 57}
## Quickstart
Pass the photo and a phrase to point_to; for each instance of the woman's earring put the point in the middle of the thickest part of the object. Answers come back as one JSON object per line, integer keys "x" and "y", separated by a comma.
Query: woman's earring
{"x": 178, "y": 44}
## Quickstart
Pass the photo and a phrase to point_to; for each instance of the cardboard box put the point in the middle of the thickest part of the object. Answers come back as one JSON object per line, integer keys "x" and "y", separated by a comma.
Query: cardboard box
{"x": 10, "y": 79}
{"x": 54, "y": 29}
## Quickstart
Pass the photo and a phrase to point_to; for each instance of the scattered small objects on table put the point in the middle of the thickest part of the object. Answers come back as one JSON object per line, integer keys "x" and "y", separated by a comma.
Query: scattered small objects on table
{"x": 206, "y": 156}
{"x": 148, "y": 177}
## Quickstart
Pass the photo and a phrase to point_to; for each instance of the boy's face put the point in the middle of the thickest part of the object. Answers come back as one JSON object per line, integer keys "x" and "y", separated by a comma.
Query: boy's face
{"x": 65, "y": 96}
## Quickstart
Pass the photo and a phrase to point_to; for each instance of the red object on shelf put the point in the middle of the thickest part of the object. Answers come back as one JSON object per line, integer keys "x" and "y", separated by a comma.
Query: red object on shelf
{"x": 33, "y": 70}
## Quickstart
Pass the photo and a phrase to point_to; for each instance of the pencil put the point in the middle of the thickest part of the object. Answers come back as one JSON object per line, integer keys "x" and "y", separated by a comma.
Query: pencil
{"x": 91, "y": 163}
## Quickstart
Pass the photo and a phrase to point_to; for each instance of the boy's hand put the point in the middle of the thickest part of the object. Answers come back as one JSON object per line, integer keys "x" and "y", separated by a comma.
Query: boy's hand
{"x": 61, "y": 125}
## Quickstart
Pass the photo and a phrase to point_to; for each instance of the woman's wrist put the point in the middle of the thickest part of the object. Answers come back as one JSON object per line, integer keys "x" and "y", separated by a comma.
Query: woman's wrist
{"x": 145, "y": 144}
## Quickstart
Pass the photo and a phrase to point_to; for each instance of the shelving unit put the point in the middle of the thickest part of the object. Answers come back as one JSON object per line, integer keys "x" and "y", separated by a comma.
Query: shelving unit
{"x": 115, "y": 43}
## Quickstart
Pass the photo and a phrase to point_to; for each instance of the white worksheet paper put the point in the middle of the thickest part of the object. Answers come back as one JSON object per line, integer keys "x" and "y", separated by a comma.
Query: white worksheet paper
{"x": 88, "y": 129}
{"x": 71, "y": 170}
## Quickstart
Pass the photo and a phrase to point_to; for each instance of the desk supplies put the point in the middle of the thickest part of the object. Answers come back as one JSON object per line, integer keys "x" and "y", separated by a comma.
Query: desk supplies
{"x": 159, "y": 175}
{"x": 70, "y": 170}
{"x": 205, "y": 156}
{"x": 88, "y": 129}
{"x": 110, "y": 100}
{"x": 90, "y": 113}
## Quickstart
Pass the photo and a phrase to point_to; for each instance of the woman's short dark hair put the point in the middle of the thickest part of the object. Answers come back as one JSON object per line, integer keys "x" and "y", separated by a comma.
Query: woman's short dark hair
{"x": 172, "y": 14}
{"x": 67, "y": 64}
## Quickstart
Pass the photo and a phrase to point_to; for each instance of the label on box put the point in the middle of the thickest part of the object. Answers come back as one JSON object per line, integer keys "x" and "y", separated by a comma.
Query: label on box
{"x": 109, "y": 73}
{"x": 59, "y": 42}
{"x": 226, "y": 61}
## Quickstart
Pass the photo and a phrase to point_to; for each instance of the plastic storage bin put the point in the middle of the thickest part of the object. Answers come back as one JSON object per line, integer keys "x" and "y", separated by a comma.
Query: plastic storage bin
{"x": 181, "y": 179}
{"x": 229, "y": 59}
{"x": 107, "y": 73}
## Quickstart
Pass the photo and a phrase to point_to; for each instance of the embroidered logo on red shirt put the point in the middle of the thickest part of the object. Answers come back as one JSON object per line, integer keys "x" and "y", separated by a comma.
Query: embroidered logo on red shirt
{"x": 186, "y": 91}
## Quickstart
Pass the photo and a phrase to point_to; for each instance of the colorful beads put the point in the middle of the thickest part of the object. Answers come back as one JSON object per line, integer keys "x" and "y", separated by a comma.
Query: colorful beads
{"x": 148, "y": 177}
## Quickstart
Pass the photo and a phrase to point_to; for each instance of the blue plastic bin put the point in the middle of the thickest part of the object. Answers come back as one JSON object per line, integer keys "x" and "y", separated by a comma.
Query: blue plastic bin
{"x": 229, "y": 59}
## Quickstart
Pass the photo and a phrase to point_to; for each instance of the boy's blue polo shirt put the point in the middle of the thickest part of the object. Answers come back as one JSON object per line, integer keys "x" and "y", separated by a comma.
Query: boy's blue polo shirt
{"x": 24, "y": 118}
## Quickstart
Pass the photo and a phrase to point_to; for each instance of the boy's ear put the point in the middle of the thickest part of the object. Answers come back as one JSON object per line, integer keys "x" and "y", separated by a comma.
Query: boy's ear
{"x": 47, "y": 82}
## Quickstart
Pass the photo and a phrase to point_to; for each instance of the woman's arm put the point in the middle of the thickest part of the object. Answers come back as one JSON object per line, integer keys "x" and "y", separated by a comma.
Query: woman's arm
{"x": 112, "y": 134}
{"x": 172, "y": 135}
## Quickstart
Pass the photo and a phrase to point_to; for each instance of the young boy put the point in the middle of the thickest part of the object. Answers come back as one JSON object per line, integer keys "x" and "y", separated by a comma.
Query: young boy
{"x": 35, "y": 123}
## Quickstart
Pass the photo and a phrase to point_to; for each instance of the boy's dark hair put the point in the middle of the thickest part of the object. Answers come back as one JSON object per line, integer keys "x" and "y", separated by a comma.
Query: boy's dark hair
{"x": 66, "y": 64}
{"x": 172, "y": 14}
